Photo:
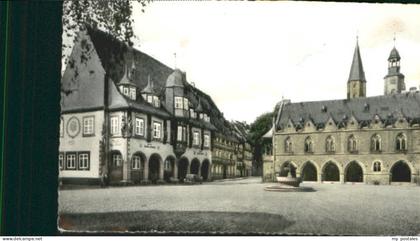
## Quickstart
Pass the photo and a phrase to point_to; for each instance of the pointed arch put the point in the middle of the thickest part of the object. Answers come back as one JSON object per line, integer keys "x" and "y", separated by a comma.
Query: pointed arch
{"x": 288, "y": 145}
{"x": 331, "y": 171}
{"x": 354, "y": 172}
{"x": 309, "y": 171}
{"x": 308, "y": 145}
{"x": 352, "y": 144}
{"x": 401, "y": 171}
{"x": 376, "y": 143}
{"x": 401, "y": 142}
{"x": 288, "y": 164}
{"x": 330, "y": 144}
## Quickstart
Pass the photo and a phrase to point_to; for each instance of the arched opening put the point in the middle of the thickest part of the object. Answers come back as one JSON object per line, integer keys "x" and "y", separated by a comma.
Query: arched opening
{"x": 205, "y": 169}
{"x": 195, "y": 166}
{"x": 309, "y": 172}
{"x": 354, "y": 172}
{"x": 286, "y": 168}
{"x": 183, "y": 164}
{"x": 168, "y": 170}
{"x": 224, "y": 171}
{"x": 400, "y": 172}
{"x": 138, "y": 161}
{"x": 154, "y": 167}
{"x": 331, "y": 172}
{"x": 115, "y": 167}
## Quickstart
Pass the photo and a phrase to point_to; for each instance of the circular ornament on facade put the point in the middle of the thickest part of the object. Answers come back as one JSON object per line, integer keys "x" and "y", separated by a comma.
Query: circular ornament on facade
{"x": 73, "y": 127}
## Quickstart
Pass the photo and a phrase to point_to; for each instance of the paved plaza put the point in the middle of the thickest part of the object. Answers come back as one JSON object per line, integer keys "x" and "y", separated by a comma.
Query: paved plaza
{"x": 237, "y": 206}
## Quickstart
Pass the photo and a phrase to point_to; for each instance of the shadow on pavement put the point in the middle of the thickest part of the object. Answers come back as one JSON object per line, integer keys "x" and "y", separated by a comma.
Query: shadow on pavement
{"x": 175, "y": 222}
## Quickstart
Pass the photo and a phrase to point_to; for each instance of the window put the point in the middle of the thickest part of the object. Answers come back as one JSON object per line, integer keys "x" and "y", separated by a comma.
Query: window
{"x": 376, "y": 166}
{"x": 196, "y": 140}
{"x": 193, "y": 114}
{"x": 125, "y": 91}
{"x": 185, "y": 104}
{"x": 139, "y": 127}
{"x": 401, "y": 142}
{"x": 201, "y": 116}
{"x": 61, "y": 161}
{"x": 88, "y": 126}
{"x": 114, "y": 125}
{"x": 71, "y": 161}
{"x": 329, "y": 144}
{"x": 133, "y": 93}
{"x": 156, "y": 130}
{"x": 288, "y": 145}
{"x": 178, "y": 102}
{"x": 352, "y": 144}
{"x": 156, "y": 102}
{"x": 179, "y": 135}
{"x": 167, "y": 165}
{"x": 84, "y": 161}
{"x": 135, "y": 163}
{"x": 308, "y": 145}
{"x": 116, "y": 160}
{"x": 206, "y": 140}
{"x": 150, "y": 99}
{"x": 376, "y": 144}
{"x": 61, "y": 127}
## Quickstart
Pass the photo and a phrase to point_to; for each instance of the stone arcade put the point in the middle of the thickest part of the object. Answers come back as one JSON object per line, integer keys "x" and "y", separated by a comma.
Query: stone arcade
{"x": 360, "y": 139}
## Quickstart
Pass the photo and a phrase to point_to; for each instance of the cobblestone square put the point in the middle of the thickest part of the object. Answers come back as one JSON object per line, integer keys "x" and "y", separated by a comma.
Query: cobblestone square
{"x": 242, "y": 206}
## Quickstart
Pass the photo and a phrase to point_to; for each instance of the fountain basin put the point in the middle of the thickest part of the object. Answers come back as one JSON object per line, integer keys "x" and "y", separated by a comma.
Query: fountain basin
{"x": 289, "y": 181}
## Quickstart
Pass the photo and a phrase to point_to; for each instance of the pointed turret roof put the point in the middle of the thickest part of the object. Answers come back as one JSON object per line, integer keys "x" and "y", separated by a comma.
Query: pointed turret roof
{"x": 149, "y": 89}
{"x": 126, "y": 79}
{"x": 394, "y": 54}
{"x": 199, "y": 107}
{"x": 356, "y": 71}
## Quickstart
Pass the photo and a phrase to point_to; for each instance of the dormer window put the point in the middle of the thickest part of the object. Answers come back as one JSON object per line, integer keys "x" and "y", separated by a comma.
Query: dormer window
{"x": 156, "y": 102}
{"x": 193, "y": 114}
{"x": 178, "y": 102}
{"x": 185, "y": 104}
{"x": 133, "y": 93}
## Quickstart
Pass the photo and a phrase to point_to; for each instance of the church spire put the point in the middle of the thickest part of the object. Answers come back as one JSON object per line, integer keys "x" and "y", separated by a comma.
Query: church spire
{"x": 356, "y": 71}
{"x": 356, "y": 84}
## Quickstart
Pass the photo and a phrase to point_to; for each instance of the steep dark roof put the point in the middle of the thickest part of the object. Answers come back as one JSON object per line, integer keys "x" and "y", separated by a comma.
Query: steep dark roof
{"x": 363, "y": 109}
{"x": 356, "y": 71}
{"x": 394, "y": 54}
{"x": 114, "y": 55}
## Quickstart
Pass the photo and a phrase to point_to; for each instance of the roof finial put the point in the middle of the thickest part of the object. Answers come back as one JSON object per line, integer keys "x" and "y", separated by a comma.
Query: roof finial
{"x": 357, "y": 37}
{"x": 175, "y": 60}
{"x": 394, "y": 39}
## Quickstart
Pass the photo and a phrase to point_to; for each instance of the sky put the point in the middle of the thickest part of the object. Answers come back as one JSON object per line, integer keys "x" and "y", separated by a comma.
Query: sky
{"x": 249, "y": 55}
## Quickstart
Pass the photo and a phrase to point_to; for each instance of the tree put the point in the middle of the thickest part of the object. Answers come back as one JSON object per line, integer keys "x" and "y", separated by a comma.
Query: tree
{"x": 112, "y": 16}
{"x": 258, "y": 128}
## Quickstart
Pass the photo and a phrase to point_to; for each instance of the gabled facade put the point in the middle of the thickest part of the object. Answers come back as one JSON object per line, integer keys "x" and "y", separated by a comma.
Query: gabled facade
{"x": 127, "y": 118}
{"x": 360, "y": 139}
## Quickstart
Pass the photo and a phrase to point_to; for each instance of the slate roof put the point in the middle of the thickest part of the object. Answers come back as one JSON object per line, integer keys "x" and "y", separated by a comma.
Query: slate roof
{"x": 356, "y": 71}
{"x": 386, "y": 107}
{"x": 394, "y": 54}
{"x": 119, "y": 60}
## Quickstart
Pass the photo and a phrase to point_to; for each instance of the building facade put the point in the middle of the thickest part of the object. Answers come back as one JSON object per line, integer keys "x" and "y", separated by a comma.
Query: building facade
{"x": 127, "y": 118}
{"x": 374, "y": 140}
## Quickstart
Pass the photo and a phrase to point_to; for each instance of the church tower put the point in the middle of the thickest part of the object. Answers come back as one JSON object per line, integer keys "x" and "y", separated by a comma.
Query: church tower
{"x": 356, "y": 85}
{"x": 394, "y": 80}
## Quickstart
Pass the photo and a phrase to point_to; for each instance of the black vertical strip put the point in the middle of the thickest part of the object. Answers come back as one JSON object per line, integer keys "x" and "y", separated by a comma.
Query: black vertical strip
{"x": 202, "y": 139}
{"x": 190, "y": 139}
{"x": 33, "y": 105}
{"x": 149, "y": 128}
{"x": 165, "y": 131}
